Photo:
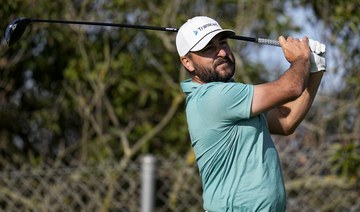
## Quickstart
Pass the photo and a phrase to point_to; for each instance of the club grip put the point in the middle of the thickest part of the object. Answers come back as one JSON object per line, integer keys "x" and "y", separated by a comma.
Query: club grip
{"x": 268, "y": 42}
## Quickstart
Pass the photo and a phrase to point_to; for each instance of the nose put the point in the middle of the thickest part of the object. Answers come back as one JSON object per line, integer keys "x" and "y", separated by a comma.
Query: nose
{"x": 221, "y": 51}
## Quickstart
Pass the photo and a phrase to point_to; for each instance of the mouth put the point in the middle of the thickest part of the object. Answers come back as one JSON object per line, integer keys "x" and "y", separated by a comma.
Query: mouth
{"x": 221, "y": 61}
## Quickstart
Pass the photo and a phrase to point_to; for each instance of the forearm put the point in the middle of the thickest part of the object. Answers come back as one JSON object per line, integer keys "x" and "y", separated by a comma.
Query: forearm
{"x": 297, "y": 75}
{"x": 290, "y": 115}
{"x": 285, "y": 89}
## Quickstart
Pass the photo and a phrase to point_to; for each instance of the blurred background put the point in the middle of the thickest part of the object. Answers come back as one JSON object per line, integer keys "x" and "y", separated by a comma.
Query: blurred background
{"x": 82, "y": 106}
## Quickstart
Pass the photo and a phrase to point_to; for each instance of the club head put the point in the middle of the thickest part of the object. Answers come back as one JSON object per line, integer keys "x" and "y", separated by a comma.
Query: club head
{"x": 15, "y": 29}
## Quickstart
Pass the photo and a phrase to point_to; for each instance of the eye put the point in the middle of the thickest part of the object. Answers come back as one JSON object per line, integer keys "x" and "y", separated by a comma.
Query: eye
{"x": 223, "y": 42}
{"x": 207, "y": 48}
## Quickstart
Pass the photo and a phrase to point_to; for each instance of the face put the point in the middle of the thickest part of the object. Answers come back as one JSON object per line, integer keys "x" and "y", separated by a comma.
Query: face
{"x": 214, "y": 63}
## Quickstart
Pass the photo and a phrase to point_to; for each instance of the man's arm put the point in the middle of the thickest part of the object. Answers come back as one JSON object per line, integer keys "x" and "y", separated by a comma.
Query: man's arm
{"x": 288, "y": 99}
{"x": 284, "y": 119}
{"x": 291, "y": 84}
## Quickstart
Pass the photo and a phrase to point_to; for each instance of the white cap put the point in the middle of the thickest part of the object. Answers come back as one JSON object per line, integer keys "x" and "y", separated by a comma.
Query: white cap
{"x": 196, "y": 33}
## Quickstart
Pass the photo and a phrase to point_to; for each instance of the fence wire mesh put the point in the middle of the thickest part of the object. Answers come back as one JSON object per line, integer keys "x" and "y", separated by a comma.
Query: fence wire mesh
{"x": 111, "y": 187}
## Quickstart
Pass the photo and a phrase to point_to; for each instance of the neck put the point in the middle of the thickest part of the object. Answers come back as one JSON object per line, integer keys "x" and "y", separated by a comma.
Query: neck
{"x": 197, "y": 79}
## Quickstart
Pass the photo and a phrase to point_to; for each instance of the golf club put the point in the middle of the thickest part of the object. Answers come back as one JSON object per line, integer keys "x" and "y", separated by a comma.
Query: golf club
{"x": 17, "y": 27}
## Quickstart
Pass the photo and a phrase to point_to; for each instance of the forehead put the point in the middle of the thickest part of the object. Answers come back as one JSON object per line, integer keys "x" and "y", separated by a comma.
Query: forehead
{"x": 219, "y": 39}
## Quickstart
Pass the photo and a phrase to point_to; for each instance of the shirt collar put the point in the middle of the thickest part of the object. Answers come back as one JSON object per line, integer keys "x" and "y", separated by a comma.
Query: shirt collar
{"x": 189, "y": 86}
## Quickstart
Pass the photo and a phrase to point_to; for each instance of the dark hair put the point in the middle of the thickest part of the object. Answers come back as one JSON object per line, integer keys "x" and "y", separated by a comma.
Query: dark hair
{"x": 188, "y": 55}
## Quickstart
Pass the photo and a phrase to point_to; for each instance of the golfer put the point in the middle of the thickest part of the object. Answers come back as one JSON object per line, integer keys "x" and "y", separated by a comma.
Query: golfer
{"x": 230, "y": 122}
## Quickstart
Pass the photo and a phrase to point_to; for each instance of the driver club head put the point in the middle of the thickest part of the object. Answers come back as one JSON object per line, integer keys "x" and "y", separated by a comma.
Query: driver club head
{"x": 15, "y": 30}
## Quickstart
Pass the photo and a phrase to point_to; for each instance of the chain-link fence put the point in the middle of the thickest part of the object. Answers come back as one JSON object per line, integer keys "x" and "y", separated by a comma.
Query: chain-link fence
{"x": 111, "y": 187}
{"x": 105, "y": 187}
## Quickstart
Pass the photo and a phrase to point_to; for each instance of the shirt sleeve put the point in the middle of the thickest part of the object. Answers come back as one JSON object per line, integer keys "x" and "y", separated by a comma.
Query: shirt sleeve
{"x": 229, "y": 102}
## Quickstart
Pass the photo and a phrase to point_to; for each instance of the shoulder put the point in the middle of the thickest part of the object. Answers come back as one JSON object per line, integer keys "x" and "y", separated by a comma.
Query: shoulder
{"x": 228, "y": 90}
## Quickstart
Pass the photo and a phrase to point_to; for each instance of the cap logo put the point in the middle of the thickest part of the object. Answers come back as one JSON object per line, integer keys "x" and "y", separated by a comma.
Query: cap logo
{"x": 208, "y": 25}
{"x": 203, "y": 27}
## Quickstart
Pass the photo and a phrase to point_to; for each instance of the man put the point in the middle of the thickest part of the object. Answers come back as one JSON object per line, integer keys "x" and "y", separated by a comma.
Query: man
{"x": 230, "y": 123}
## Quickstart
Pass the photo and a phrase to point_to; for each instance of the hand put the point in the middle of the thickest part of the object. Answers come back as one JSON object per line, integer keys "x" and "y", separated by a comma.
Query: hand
{"x": 317, "y": 57}
{"x": 294, "y": 48}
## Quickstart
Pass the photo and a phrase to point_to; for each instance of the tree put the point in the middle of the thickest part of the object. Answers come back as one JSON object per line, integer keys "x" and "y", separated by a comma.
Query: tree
{"x": 342, "y": 122}
{"x": 81, "y": 95}
{"x": 89, "y": 93}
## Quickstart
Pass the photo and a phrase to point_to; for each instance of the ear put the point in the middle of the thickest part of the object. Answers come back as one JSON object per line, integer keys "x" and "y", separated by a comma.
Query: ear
{"x": 187, "y": 63}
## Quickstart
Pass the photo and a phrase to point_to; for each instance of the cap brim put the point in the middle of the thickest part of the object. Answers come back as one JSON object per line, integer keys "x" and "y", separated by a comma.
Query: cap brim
{"x": 207, "y": 38}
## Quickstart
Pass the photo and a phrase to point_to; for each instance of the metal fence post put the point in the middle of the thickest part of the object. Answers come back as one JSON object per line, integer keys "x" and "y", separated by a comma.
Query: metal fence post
{"x": 147, "y": 183}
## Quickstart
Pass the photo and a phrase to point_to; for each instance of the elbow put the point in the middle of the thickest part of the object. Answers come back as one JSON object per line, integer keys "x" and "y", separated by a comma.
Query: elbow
{"x": 284, "y": 124}
{"x": 288, "y": 130}
{"x": 284, "y": 131}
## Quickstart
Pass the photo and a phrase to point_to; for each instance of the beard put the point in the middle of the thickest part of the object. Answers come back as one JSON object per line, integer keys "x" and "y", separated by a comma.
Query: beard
{"x": 210, "y": 74}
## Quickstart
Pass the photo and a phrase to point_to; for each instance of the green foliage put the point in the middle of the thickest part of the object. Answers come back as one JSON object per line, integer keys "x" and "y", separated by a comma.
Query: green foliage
{"x": 345, "y": 160}
{"x": 341, "y": 18}
{"x": 82, "y": 94}
{"x": 79, "y": 94}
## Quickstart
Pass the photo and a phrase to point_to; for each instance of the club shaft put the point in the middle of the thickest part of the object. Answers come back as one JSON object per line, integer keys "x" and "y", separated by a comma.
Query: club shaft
{"x": 170, "y": 29}
{"x": 158, "y": 28}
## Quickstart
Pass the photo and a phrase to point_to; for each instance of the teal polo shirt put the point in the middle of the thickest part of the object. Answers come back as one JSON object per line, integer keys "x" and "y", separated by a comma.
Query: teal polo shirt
{"x": 237, "y": 160}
